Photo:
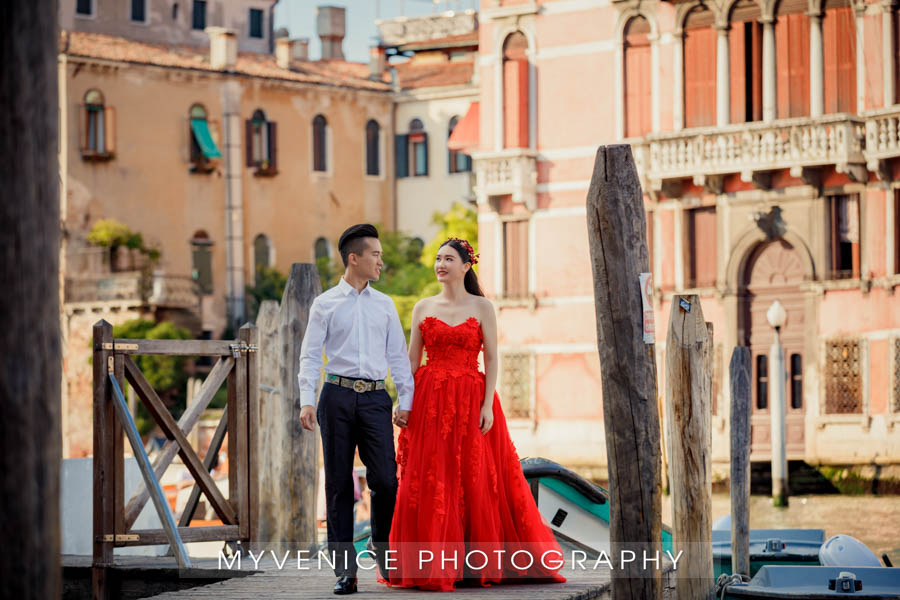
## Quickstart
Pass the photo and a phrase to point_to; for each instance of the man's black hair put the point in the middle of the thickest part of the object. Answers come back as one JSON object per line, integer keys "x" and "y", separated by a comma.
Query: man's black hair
{"x": 353, "y": 240}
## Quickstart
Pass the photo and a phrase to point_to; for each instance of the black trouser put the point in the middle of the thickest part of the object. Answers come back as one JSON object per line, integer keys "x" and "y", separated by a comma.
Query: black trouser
{"x": 347, "y": 420}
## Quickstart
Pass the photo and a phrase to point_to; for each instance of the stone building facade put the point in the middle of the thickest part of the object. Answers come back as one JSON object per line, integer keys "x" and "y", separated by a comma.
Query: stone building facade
{"x": 766, "y": 136}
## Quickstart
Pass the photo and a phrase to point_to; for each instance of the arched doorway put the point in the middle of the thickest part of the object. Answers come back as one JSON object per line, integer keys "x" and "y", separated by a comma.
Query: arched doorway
{"x": 774, "y": 271}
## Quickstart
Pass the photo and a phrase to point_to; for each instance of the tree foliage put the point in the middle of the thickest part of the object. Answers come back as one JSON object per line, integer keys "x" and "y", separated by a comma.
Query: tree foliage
{"x": 165, "y": 374}
{"x": 269, "y": 285}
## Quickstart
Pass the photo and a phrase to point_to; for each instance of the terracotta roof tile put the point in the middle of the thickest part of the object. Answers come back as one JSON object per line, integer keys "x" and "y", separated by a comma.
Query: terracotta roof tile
{"x": 416, "y": 76}
{"x": 330, "y": 72}
{"x": 450, "y": 41}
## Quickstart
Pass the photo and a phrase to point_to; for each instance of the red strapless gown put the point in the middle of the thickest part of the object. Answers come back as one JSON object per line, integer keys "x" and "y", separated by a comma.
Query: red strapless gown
{"x": 462, "y": 493}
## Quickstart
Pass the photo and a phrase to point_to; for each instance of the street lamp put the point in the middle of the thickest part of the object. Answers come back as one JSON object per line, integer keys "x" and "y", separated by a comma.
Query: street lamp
{"x": 777, "y": 317}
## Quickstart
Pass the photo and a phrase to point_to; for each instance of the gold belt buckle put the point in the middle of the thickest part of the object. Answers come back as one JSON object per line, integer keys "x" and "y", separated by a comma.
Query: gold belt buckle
{"x": 359, "y": 386}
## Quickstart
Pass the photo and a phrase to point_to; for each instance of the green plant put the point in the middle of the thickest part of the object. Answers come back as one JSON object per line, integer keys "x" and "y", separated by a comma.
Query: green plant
{"x": 269, "y": 285}
{"x": 110, "y": 233}
{"x": 165, "y": 374}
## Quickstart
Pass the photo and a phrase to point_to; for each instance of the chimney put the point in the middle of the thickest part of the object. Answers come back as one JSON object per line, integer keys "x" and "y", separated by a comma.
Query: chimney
{"x": 222, "y": 48}
{"x": 377, "y": 62}
{"x": 331, "y": 26}
{"x": 289, "y": 51}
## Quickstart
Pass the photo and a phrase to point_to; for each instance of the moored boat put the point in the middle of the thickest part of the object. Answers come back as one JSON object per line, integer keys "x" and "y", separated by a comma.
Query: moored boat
{"x": 815, "y": 583}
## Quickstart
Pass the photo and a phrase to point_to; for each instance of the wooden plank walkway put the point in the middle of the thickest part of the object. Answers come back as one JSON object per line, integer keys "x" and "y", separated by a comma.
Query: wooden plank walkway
{"x": 277, "y": 584}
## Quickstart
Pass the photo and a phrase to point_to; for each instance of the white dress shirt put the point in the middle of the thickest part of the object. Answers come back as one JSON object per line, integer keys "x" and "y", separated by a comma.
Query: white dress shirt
{"x": 361, "y": 335}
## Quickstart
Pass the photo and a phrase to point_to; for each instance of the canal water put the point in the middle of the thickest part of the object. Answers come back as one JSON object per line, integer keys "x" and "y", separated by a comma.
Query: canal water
{"x": 874, "y": 520}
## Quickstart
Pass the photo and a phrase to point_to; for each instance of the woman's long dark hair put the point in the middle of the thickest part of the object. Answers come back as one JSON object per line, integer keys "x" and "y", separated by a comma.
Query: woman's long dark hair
{"x": 471, "y": 279}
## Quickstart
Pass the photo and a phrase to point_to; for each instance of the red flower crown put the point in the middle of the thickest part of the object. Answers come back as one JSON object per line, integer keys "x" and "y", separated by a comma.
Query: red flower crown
{"x": 473, "y": 258}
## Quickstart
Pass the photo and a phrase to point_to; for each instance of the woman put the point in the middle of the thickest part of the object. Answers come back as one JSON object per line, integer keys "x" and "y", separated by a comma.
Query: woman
{"x": 464, "y": 511}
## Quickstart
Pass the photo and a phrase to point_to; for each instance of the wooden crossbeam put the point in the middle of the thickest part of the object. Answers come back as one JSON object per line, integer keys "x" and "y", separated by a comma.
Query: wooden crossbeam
{"x": 152, "y": 537}
{"x": 167, "y": 422}
{"x": 211, "y": 454}
{"x": 190, "y": 417}
{"x": 174, "y": 347}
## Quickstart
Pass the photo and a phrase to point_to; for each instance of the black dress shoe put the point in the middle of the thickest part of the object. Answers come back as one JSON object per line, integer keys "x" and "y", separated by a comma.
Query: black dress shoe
{"x": 346, "y": 584}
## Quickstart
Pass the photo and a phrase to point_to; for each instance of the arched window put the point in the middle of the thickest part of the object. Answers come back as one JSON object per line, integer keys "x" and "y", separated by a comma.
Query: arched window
{"x": 98, "y": 127}
{"x": 322, "y": 248}
{"x": 262, "y": 255}
{"x": 515, "y": 91}
{"x": 418, "y": 148}
{"x": 638, "y": 107}
{"x": 373, "y": 141}
{"x": 457, "y": 161}
{"x": 203, "y": 148}
{"x": 260, "y": 142}
{"x": 699, "y": 68}
{"x": 745, "y": 51}
{"x": 320, "y": 142}
{"x": 201, "y": 261}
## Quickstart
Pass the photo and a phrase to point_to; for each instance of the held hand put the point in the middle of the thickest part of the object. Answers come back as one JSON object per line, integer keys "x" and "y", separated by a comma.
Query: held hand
{"x": 308, "y": 417}
{"x": 401, "y": 418}
{"x": 487, "y": 418}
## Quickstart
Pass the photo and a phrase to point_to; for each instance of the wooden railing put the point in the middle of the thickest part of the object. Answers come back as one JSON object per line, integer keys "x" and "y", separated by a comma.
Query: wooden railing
{"x": 113, "y": 519}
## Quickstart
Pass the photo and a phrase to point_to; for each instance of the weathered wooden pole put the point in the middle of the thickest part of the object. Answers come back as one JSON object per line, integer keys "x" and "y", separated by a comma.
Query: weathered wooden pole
{"x": 688, "y": 398}
{"x": 30, "y": 377}
{"x": 740, "y": 460}
{"x": 617, "y": 235}
{"x": 288, "y": 480}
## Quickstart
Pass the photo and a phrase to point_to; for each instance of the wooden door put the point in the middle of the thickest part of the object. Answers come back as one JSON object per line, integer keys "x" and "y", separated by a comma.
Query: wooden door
{"x": 775, "y": 271}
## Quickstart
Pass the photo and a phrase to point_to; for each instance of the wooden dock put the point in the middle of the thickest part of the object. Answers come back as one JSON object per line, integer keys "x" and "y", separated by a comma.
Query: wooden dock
{"x": 270, "y": 582}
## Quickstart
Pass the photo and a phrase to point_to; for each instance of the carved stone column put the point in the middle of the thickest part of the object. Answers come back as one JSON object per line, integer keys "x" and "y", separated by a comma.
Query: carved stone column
{"x": 768, "y": 68}
{"x": 816, "y": 66}
{"x": 723, "y": 77}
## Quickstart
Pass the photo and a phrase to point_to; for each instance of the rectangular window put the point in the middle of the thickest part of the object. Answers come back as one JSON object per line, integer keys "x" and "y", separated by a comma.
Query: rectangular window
{"x": 201, "y": 259}
{"x": 897, "y": 231}
{"x": 256, "y": 23}
{"x": 637, "y": 73}
{"x": 419, "y": 153}
{"x": 97, "y": 132}
{"x": 895, "y": 404}
{"x": 700, "y": 232}
{"x": 844, "y": 236}
{"x": 199, "y": 15}
{"x": 796, "y": 381}
{"x": 843, "y": 379}
{"x": 139, "y": 10}
{"x": 745, "y": 41}
{"x": 515, "y": 259}
{"x": 459, "y": 162}
{"x": 762, "y": 382}
{"x": 515, "y": 385}
{"x": 84, "y": 7}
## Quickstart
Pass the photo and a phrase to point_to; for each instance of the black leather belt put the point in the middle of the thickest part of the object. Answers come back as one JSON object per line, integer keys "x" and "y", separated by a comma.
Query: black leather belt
{"x": 357, "y": 385}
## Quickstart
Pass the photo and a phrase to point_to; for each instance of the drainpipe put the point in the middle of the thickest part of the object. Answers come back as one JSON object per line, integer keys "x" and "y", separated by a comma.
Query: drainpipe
{"x": 234, "y": 205}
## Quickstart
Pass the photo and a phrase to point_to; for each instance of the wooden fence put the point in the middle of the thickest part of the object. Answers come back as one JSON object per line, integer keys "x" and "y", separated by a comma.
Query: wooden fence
{"x": 113, "y": 518}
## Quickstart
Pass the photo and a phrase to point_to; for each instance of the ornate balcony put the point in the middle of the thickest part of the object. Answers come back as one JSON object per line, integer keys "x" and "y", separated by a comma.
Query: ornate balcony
{"x": 510, "y": 172}
{"x": 135, "y": 287}
{"x": 882, "y": 139}
{"x": 755, "y": 149}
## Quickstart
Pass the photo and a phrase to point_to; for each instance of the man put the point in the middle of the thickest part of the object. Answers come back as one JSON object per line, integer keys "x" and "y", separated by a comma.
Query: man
{"x": 360, "y": 332}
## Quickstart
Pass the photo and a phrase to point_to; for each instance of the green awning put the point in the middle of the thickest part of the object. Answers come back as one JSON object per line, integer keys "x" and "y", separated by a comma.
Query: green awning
{"x": 204, "y": 139}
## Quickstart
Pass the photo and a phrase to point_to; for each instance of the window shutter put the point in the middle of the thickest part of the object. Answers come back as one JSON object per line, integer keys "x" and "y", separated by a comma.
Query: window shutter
{"x": 425, "y": 141}
{"x": 273, "y": 144}
{"x": 248, "y": 143}
{"x": 468, "y": 163}
{"x": 109, "y": 115}
{"x": 401, "y": 155}
{"x": 84, "y": 129}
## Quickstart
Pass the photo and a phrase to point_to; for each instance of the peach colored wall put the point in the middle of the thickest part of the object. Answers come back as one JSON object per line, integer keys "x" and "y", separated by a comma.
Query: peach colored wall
{"x": 879, "y": 376}
{"x": 564, "y": 236}
{"x": 875, "y": 239}
{"x": 846, "y": 312}
{"x": 555, "y": 372}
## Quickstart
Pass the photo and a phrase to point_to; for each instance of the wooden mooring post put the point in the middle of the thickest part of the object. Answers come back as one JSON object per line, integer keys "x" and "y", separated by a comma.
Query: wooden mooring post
{"x": 618, "y": 245}
{"x": 289, "y": 478}
{"x": 740, "y": 460}
{"x": 688, "y": 425}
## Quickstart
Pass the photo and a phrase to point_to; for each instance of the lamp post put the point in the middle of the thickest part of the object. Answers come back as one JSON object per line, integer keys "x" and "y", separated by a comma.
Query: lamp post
{"x": 777, "y": 317}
